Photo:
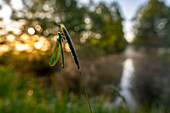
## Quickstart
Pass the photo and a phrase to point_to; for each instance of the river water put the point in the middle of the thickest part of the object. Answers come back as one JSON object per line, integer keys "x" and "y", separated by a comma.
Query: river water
{"x": 125, "y": 85}
{"x": 145, "y": 79}
{"x": 142, "y": 78}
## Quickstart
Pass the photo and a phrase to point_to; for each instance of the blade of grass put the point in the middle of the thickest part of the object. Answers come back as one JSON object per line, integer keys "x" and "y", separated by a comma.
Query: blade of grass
{"x": 85, "y": 89}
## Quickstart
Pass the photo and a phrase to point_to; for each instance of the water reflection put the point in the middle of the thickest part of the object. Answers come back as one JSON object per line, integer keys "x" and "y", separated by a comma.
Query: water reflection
{"x": 125, "y": 85}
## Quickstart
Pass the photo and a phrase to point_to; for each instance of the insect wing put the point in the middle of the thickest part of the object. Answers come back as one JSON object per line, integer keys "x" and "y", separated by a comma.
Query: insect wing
{"x": 62, "y": 55}
{"x": 55, "y": 56}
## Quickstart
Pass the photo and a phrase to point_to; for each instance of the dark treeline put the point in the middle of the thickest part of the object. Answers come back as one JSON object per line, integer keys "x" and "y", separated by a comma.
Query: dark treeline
{"x": 152, "y": 25}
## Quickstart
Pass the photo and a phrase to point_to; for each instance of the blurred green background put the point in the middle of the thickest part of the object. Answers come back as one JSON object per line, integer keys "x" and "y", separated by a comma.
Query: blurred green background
{"x": 123, "y": 74}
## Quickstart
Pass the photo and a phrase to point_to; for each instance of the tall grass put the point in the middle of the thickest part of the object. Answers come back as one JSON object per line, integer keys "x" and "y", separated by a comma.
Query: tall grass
{"x": 24, "y": 94}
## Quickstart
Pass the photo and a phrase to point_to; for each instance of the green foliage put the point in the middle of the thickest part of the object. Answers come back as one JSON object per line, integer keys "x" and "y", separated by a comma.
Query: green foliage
{"x": 107, "y": 21}
{"x": 152, "y": 25}
{"x": 25, "y": 94}
{"x": 117, "y": 93}
{"x": 20, "y": 93}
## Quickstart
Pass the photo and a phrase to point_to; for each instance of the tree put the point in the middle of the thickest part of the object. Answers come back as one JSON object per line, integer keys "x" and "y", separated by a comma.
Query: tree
{"x": 152, "y": 25}
{"x": 49, "y": 13}
{"x": 104, "y": 23}
{"x": 107, "y": 21}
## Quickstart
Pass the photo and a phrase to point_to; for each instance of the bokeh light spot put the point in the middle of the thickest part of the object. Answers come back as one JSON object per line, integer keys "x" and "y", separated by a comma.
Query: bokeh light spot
{"x": 11, "y": 38}
{"x": 4, "y": 48}
{"x": 31, "y": 31}
{"x": 24, "y": 37}
{"x": 30, "y": 92}
{"x": 20, "y": 47}
{"x": 37, "y": 45}
{"x": 67, "y": 48}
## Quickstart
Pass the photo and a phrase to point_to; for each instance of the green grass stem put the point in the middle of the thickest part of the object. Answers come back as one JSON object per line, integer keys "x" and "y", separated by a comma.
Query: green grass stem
{"x": 85, "y": 89}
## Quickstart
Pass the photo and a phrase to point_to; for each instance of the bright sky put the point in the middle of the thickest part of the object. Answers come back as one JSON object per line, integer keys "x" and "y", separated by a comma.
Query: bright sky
{"x": 5, "y": 12}
{"x": 129, "y": 9}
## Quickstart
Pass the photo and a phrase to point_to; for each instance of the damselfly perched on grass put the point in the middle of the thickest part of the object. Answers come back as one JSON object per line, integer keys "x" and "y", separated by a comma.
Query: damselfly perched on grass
{"x": 64, "y": 35}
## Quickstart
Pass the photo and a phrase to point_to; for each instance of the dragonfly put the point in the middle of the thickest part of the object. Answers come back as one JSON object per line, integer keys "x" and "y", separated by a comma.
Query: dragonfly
{"x": 63, "y": 35}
